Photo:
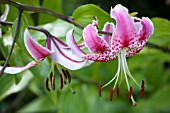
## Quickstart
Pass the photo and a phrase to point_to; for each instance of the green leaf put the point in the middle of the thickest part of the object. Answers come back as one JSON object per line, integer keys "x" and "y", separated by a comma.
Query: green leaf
{"x": 86, "y": 13}
{"x": 2, "y": 62}
{"x": 161, "y": 34}
{"x": 20, "y": 35}
{"x": 9, "y": 86}
{"x": 39, "y": 105}
{"x": 86, "y": 100}
{"x": 30, "y": 2}
{"x": 158, "y": 102}
{"x": 53, "y": 5}
{"x": 58, "y": 28}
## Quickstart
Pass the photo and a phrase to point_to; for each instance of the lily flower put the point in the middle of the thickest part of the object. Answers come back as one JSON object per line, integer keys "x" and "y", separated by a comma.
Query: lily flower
{"x": 35, "y": 50}
{"x": 129, "y": 36}
{"x": 60, "y": 52}
{"x": 4, "y": 16}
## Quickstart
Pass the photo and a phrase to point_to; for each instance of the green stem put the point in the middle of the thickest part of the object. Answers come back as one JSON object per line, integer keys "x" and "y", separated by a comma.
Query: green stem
{"x": 13, "y": 43}
{"x": 41, "y": 10}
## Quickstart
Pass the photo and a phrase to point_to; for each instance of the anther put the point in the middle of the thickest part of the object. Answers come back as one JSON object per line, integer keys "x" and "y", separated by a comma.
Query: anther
{"x": 68, "y": 76}
{"x": 142, "y": 89}
{"x": 111, "y": 94}
{"x": 74, "y": 92}
{"x": 117, "y": 90}
{"x": 99, "y": 89}
{"x": 46, "y": 84}
{"x": 52, "y": 78}
{"x": 64, "y": 72}
{"x": 62, "y": 81}
{"x": 130, "y": 93}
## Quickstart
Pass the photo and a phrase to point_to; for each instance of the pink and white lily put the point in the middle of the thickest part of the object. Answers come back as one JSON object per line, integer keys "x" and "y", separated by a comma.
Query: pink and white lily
{"x": 60, "y": 52}
{"x": 4, "y": 16}
{"x": 36, "y": 51}
{"x": 129, "y": 36}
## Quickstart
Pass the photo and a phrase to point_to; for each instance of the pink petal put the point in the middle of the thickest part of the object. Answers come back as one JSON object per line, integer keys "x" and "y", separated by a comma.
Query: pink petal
{"x": 108, "y": 27}
{"x": 72, "y": 44}
{"x": 65, "y": 57}
{"x": 4, "y": 16}
{"x": 94, "y": 42}
{"x": 126, "y": 30}
{"x": 146, "y": 32}
{"x": 36, "y": 50}
{"x": 147, "y": 29}
{"x": 18, "y": 69}
{"x": 143, "y": 36}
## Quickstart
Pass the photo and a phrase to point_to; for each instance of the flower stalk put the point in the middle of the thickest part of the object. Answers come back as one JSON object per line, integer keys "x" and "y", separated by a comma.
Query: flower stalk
{"x": 14, "y": 40}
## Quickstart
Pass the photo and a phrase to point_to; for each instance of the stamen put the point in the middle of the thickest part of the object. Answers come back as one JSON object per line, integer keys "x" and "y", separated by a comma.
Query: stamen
{"x": 74, "y": 92}
{"x": 127, "y": 69}
{"x": 64, "y": 72}
{"x": 117, "y": 90}
{"x": 52, "y": 78}
{"x": 111, "y": 94}
{"x": 130, "y": 93}
{"x": 99, "y": 89}
{"x": 46, "y": 84}
{"x": 142, "y": 90}
{"x": 62, "y": 81}
{"x": 68, "y": 75}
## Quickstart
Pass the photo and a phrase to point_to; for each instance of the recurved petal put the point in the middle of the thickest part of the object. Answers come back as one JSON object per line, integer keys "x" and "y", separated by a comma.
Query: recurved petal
{"x": 125, "y": 28}
{"x": 148, "y": 27}
{"x": 108, "y": 27}
{"x": 65, "y": 57}
{"x": 145, "y": 33}
{"x": 93, "y": 41}
{"x": 4, "y": 16}
{"x": 36, "y": 50}
{"x": 73, "y": 45}
{"x": 18, "y": 69}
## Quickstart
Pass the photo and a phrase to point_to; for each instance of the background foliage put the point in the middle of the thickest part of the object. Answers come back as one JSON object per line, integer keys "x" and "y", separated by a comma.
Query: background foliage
{"x": 25, "y": 92}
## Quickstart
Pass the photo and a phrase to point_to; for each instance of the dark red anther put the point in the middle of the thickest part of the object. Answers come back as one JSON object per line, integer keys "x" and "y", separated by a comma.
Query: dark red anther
{"x": 135, "y": 20}
{"x": 117, "y": 90}
{"x": 64, "y": 72}
{"x": 111, "y": 94}
{"x": 52, "y": 78}
{"x": 142, "y": 89}
{"x": 130, "y": 93}
{"x": 46, "y": 84}
{"x": 99, "y": 89}
{"x": 68, "y": 76}
{"x": 62, "y": 81}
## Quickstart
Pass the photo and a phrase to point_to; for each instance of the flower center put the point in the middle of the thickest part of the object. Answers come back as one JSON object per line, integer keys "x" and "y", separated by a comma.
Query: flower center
{"x": 123, "y": 70}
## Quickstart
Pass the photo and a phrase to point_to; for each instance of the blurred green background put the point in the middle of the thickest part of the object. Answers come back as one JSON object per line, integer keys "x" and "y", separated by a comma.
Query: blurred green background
{"x": 25, "y": 92}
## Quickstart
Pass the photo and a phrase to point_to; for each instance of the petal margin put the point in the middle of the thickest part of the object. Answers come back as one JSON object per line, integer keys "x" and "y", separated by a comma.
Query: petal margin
{"x": 72, "y": 44}
{"x": 36, "y": 50}
{"x": 18, "y": 69}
